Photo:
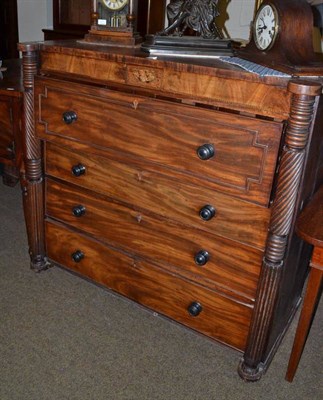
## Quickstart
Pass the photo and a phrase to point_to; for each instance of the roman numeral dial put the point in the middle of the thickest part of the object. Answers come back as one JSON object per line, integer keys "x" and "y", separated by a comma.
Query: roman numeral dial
{"x": 265, "y": 27}
{"x": 115, "y": 4}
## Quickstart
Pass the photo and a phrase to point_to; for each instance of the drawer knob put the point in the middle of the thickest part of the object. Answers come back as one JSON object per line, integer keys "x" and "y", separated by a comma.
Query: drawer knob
{"x": 194, "y": 309}
{"x": 207, "y": 212}
{"x": 78, "y": 170}
{"x": 78, "y": 256}
{"x": 206, "y": 151}
{"x": 79, "y": 211}
{"x": 69, "y": 117}
{"x": 202, "y": 257}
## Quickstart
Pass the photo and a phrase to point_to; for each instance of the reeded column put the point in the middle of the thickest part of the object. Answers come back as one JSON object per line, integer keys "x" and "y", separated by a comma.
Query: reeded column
{"x": 284, "y": 207}
{"x": 32, "y": 179}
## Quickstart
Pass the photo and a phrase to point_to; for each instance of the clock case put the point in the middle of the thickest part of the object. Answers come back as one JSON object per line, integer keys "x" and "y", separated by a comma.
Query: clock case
{"x": 122, "y": 36}
{"x": 292, "y": 52}
{"x": 115, "y": 18}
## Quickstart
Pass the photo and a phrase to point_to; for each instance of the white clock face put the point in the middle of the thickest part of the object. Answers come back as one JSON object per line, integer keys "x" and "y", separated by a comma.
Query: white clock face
{"x": 265, "y": 27}
{"x": 115, "y": 4}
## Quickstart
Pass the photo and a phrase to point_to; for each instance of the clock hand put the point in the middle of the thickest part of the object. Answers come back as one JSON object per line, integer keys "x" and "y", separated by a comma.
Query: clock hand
{"x": 263, "y": 21}
{"x": 260, "y": 29}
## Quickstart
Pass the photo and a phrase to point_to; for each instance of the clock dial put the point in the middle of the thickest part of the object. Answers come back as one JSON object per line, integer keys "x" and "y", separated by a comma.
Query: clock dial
{"x": 115, "y": 4}
{"x": 265, "y": 27}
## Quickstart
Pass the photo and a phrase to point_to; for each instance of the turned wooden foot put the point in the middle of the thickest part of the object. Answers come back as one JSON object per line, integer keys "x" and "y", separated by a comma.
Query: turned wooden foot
{"x": 39, "y": 264}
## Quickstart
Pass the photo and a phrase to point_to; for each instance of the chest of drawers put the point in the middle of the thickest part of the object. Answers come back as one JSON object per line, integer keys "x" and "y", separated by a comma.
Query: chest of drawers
{"x": 173, "y": 184}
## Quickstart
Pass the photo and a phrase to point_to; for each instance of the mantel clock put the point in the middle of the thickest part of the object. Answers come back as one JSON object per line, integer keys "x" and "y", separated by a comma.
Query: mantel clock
{"x": 114, "y": 23}
{"x": 282, "y": 38}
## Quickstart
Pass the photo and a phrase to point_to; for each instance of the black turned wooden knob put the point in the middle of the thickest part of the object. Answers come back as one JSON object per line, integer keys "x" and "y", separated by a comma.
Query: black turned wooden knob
{"x": 78, "y": 256}
{"x": 202, "y": 257}
{"x": 79, "y": 210}
{"x": 194, "y": 309}
{"x": 69, "y": 117}
{"x": 207, "y": 212}
{"x": 206, "y": 151}
{"x": 78, "y": 170}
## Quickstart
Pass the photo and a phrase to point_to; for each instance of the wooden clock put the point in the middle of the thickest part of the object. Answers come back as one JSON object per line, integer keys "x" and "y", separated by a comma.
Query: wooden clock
{"x": 282, "y": 38}
{"x": 114, "y": 23}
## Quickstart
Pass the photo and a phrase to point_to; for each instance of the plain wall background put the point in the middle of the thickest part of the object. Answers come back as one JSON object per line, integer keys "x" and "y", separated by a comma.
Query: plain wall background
{"x": 35, "y": 15}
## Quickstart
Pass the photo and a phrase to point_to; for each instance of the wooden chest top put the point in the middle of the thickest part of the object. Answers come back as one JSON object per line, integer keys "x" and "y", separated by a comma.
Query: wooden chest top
{"x": 208, "y": 82}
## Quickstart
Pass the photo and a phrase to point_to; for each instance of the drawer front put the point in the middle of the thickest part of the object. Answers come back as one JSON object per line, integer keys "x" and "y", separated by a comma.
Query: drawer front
{"x": 245, "y": 149}
{"x": 221, "y": 318}
{"x": 147, "y": 189}
{"x": 231, "y": 266}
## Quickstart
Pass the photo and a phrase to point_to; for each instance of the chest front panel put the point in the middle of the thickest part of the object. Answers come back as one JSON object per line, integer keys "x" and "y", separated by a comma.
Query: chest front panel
{"x": 132, "y": 203}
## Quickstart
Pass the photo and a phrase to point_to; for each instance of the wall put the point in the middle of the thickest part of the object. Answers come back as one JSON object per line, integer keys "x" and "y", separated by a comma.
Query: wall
{"x": 236, "y": 17}
{"x": 241, "y": 14}
{"x": 33, "y": 16}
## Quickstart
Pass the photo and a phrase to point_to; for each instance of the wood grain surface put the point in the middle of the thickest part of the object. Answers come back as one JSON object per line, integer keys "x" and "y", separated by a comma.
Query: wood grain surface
{"x": 140, "y": 121}
{"x": 168, "y": 134}
{"x": 210, "y": 81}
{"x": 221, "y": 318}
{"x": 137, "y": 184}
{"x": 232, "y": 266}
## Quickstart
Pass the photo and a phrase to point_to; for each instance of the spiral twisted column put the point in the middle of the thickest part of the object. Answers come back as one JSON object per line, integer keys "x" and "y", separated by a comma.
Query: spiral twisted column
{"x": 32, "y": 177}
{"x": 291, "y": 167}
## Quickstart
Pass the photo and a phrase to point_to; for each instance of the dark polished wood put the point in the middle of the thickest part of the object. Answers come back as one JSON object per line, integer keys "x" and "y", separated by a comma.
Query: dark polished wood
{"x": 147, "y": 284}
{"x": 310, "y": 228}
{"x": 151, "y": 16}
{"x": 142, "y": 183}
{"x": 310, "y": 223}
{"x": 10, "y": 121}
{"x": 71, "y": 19}
{"x": 248, "y": 171}
{"x": 8, "y": 29}
{"x": 62, "y": 34}
{"x": 32, "y": 178}
{"x": 118, "y": 187}
{"x": 289, "y": 175}
{"x": 161, "y": 239}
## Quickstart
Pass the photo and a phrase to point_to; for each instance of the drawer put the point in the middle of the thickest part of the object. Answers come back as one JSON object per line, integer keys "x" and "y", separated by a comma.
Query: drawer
{"x": 165, "y": 133}
{"x": 221, "y": 318}
{"x": 148, "y": 189}
{"x": 231, "y": 266}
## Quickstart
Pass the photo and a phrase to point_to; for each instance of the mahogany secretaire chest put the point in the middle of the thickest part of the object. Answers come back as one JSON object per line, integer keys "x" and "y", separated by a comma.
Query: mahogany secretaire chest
{"x": 175, "y": 184}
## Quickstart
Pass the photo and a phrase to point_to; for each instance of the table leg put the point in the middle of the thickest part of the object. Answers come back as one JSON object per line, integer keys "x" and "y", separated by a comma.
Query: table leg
{"x": 304, "y": 324}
